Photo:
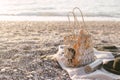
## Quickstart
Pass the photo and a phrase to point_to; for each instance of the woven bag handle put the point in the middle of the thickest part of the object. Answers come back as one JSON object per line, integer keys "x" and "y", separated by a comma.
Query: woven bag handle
{"x": 73, "y": 20}
{"x": 76, "y": 8}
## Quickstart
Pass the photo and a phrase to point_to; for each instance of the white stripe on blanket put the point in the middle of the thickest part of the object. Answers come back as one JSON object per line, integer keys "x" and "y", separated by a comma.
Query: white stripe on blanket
{"x": 79, "y": 73}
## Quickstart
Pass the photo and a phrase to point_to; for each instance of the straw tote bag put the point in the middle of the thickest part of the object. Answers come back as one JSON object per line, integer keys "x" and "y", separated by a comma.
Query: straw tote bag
{"x": 79, "y": 46}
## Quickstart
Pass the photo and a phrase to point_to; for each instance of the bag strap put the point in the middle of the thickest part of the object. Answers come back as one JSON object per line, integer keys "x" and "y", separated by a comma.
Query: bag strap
{"x": 74, "y": 21}
{"x": 76, "y": 8}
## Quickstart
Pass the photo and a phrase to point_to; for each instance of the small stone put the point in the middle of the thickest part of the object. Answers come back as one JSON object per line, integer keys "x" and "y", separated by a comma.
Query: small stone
{"x": 29, "y": 76}
{"x": 3, "y": 70}
{"x": 15, "y": 70}
{"x": 104, "y": 41}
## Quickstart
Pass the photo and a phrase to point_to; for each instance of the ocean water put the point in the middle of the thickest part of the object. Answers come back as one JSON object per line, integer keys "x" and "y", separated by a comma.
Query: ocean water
{"x": 59, "y": 8}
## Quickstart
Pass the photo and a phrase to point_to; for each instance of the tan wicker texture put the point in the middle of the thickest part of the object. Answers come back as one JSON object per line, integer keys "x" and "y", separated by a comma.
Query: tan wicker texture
{"x": 79, "y": 50}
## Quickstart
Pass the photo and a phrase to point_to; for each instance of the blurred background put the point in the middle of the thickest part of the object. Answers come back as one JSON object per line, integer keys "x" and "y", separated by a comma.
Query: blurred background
{"x": 90, "y": 8}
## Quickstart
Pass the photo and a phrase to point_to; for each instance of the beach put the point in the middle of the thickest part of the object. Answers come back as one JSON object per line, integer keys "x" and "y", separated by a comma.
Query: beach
{"x": 26, "y": 47}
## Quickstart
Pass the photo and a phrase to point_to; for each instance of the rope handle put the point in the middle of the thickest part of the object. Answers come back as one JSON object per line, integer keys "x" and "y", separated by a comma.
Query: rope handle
{"x": 76, "y": 22}
{"x": 76, "y": 8}
{"x": 73, "y": 21}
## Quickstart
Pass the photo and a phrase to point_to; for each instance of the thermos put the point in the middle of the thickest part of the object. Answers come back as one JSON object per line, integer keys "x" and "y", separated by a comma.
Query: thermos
{"x": 93, "y": 66}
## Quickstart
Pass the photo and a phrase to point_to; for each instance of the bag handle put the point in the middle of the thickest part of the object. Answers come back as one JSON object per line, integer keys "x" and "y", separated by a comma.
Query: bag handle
{"x": 76, "y": 8}
{"x": 76, "y": 22}
{"x": 73, "y": 21}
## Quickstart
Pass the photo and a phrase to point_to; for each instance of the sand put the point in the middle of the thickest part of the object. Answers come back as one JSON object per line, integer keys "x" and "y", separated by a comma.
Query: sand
{"x": 25, "y": 47}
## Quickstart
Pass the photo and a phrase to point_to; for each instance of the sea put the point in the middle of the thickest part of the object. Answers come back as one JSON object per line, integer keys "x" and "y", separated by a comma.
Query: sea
{"x": 42, "y": 10}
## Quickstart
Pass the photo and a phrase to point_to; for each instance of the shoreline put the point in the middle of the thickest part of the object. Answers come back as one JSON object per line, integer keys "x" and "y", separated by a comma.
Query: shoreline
{"x": 54, "y": 18}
